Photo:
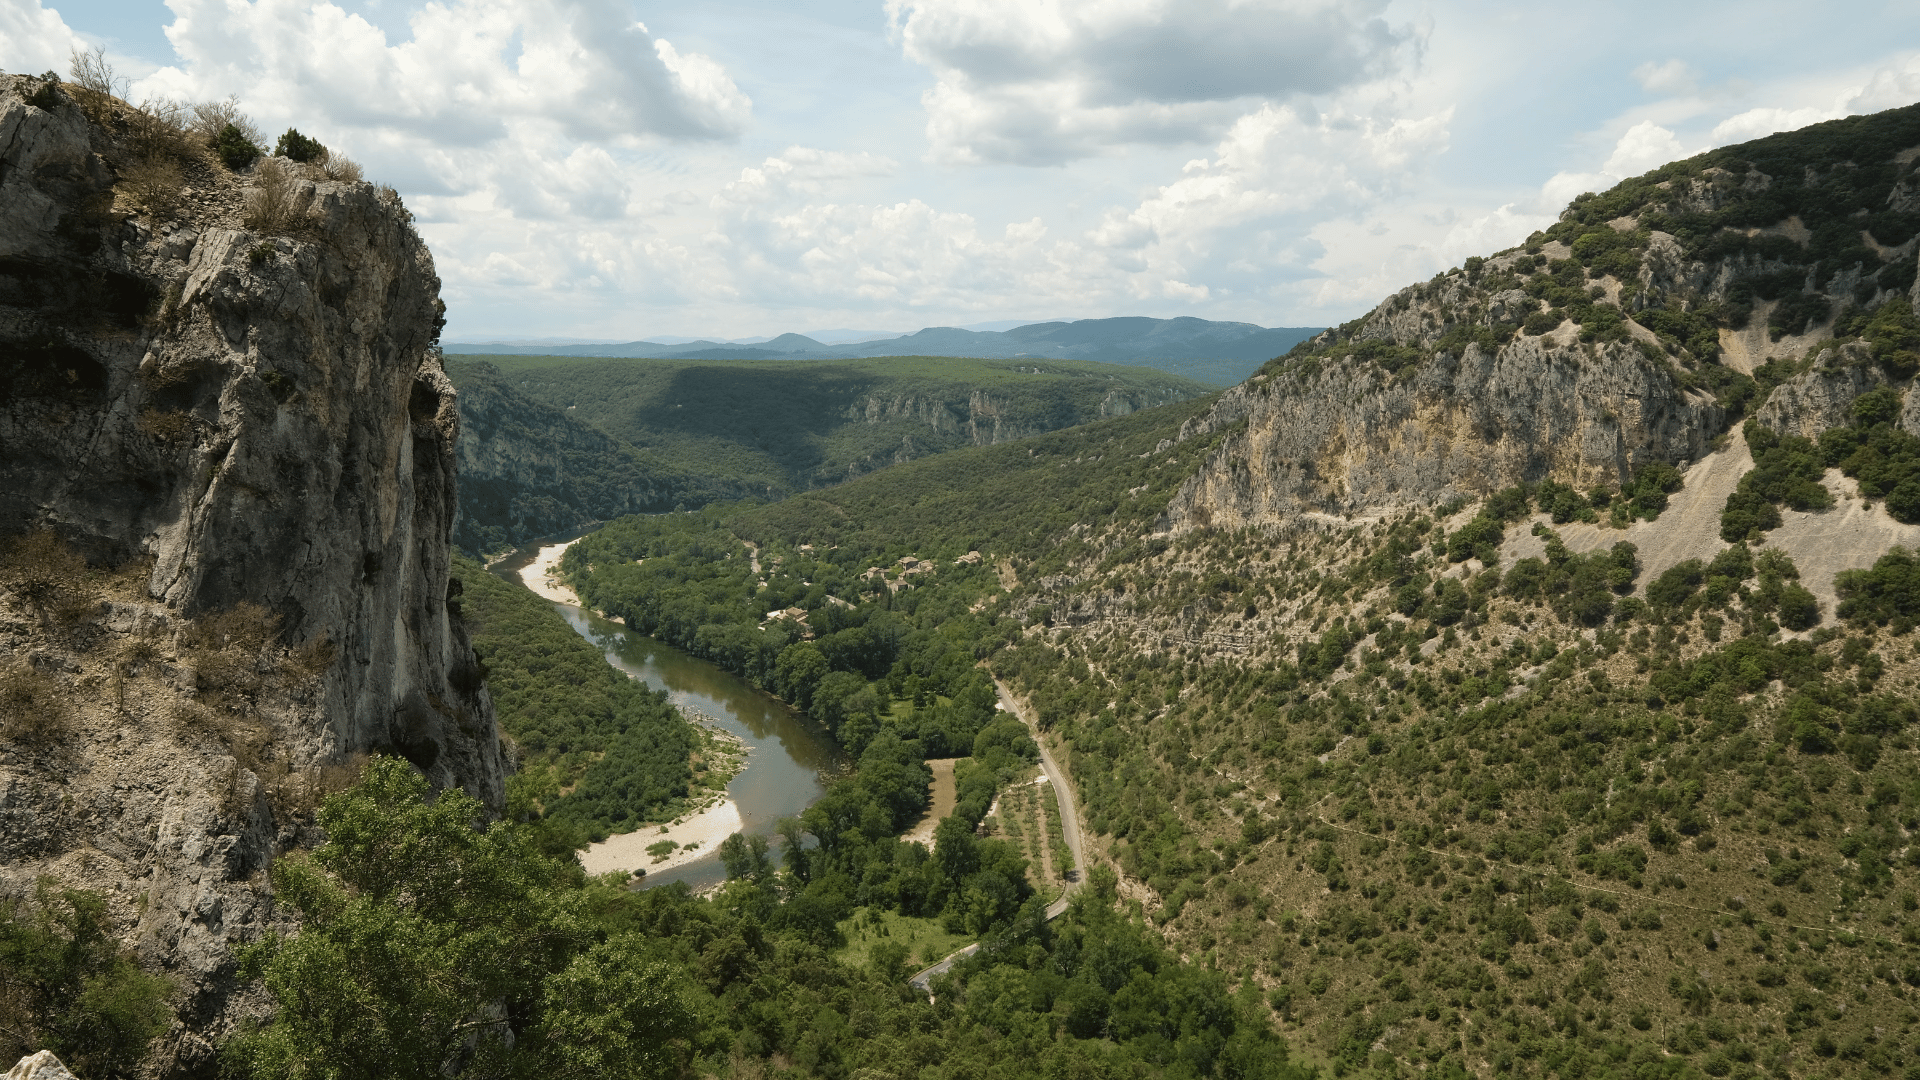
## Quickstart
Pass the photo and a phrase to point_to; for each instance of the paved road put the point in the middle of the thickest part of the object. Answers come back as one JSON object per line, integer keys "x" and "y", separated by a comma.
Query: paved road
{"x": 1069, "y": 830}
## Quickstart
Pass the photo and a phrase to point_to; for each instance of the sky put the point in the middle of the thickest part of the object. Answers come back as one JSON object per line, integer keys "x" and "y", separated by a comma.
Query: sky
{"x": 604, "y": 169}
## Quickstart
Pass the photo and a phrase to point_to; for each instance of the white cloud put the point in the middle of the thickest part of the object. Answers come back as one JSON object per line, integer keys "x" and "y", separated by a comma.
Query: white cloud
{"x": 471, "y": 68}
{"x": 1889, "y": 86}
{"x": 34, "y": 39}
{"x": 1047, "y": 82}
{"x": 1669, "y": 78}
{"x": 1644, "y": 146}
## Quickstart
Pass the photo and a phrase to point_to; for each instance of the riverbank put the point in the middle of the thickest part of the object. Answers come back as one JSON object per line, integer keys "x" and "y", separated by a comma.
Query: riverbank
{"x": 694, "y": 837}
{"x": 542, "y": 575}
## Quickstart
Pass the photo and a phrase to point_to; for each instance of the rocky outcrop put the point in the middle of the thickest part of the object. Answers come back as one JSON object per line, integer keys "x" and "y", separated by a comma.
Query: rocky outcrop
{"x": 41, "y": 1066}
{"x": 985, "y": 418}
{"x": 1344, "y": 439}
{"x": 252, "y": 427}
{"x": 1822, "y": 398}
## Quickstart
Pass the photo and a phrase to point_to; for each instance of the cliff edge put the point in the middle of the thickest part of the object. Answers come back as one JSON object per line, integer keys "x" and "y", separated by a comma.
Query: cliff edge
{"x": 227, "y": 459}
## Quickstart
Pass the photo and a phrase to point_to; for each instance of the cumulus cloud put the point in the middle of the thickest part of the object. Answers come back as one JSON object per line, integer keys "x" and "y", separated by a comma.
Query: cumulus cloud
{"x": 471, "y": 68}
{"x": 1050, "y": 81}
{"x": 34, "y": 39}
{"x": 1644, "y": 146}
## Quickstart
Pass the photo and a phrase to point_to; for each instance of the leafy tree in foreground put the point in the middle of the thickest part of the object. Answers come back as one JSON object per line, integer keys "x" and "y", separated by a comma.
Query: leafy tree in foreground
{"x": 432, "y": 948}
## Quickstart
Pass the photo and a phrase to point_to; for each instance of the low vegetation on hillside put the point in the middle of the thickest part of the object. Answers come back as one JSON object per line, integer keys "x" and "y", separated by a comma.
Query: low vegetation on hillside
{"x": 1453, "y": 788}
{"x": 1805, "y": 229}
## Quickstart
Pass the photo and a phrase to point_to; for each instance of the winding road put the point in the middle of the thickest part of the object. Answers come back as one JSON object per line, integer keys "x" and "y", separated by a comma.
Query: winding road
{"x": 1069, "y": 831}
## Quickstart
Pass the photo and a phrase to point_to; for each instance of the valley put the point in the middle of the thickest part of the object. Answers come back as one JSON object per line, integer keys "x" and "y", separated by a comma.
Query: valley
{"x": 549, "y": 444}
{"x": 1517, "y": 681}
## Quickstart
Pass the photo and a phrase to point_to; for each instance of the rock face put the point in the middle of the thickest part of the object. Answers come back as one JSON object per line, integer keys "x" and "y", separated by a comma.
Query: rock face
{"x": 1348, "y": 439}
{"x": 1626, "y": 334}
{"x": 253, "y": 427}
{"x": 1822, "y": 398}
{"x": 40, "y": 1066}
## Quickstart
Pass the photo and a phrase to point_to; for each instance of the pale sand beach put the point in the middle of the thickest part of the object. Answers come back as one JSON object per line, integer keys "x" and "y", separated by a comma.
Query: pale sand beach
{"x": 542, "y": 576}
{"x": 628, "y": 851}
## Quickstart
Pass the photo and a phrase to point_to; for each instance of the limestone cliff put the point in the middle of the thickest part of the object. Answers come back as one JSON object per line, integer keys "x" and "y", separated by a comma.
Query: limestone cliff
{"x": 1337, "y": 440}
{"x": 1631, "y": 332}
{"x": 246, "y": 435}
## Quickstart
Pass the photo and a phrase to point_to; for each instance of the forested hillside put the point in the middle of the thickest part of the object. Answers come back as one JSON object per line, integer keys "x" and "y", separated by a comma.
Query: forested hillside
{"x": 1586, "y": 751}
{"x": 549, "y": 443}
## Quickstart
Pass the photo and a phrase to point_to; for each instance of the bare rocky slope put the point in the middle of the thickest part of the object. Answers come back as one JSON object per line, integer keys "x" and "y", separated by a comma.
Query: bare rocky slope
{"x": 231, "y": 449}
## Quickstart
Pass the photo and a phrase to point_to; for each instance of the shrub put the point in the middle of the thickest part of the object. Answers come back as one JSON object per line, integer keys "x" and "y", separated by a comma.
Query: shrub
{"x": 33, "y": 708}
{"x": 229, "y": 132}
{"x": 1877, "y": 453}
{"x": 270, "y": 207}
{"x": 335, "y": 165}
{"x": 236, "y": 151}
{"x": 92, "y": 83}
{"x": 1677, "y": 585}
{"x": 163, "y": 425}
{"x": 297, "y": 147}
{"x": 39, "y": 566}
{"x": 1889, "y": 591}
{"x": 1786, "y": 469}
{"x": 158, "y": 128}
{"x": 65, "y": 984}
{"x": 1797, "y": 608}
{"x": 154, "y": 185}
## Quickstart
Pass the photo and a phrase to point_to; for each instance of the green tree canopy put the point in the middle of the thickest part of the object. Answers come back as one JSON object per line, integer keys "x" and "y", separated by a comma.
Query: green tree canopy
{"x": 434, "y": 948}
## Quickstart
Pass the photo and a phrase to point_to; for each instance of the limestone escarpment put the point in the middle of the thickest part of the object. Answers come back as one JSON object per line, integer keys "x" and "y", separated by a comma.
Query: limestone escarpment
{"x": 253, "y": 427}
{"x": 1630, "y": 332}
{"x": 985, "y": 418}
{"x": 1340, "y": 440}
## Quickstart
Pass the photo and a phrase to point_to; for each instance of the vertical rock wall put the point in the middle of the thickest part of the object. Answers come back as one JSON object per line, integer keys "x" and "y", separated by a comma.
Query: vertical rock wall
{"x": 231, "y": 417}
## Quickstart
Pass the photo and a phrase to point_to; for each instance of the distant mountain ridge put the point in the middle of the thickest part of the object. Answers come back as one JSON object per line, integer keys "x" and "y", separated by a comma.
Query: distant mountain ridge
{"x": 1220, "y": 353}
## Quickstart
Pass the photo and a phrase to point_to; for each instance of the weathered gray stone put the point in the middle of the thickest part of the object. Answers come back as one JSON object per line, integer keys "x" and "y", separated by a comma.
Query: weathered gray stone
{"x": 39, "y": 1066}
{"x": 248, "y": 418}
{"x": 1350, "y": 438}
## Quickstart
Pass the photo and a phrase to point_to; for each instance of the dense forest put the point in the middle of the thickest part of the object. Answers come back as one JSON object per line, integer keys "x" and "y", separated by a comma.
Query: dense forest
{"x": 597, "y": 752}
{"x": 399, "y": 954}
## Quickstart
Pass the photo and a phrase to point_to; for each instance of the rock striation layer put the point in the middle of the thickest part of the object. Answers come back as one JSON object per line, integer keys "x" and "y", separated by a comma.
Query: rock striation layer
{"x": 252, "y": 426}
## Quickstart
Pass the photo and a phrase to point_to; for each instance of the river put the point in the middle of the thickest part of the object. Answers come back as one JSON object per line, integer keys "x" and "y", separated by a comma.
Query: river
{"x": 788, "y": 752}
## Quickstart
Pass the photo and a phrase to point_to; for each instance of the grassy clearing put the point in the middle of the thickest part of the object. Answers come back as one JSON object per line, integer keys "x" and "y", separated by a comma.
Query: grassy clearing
{"x": 926, "y": 939}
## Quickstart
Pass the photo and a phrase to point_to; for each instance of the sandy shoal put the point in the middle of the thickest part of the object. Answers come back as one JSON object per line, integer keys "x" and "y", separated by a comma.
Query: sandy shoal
{"x": 628, "y": 851}
{"x": 542, "y": 575}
